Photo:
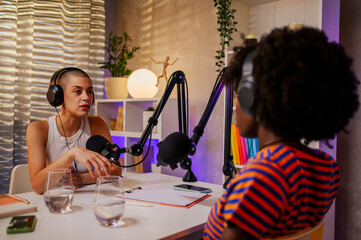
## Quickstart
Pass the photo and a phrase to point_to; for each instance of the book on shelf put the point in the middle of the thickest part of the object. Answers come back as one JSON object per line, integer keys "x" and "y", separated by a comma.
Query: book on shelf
{"x": 233, "y": 148}
{"x": 11, "y": 205}
{"x": 145, "y": 166}
{"x": 255, "y": 145}
{"x": 237, "y": 145}
{"x": 245, "y": 143}
{"x": 250, "y": 147}
{"x": 139, "y": 167}
{"x": 119, "y": 120}
{"x": 242, "y": 148}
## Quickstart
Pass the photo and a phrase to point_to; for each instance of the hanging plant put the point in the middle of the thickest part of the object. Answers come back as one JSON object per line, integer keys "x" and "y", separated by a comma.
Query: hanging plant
{"x": 226, "y": 23}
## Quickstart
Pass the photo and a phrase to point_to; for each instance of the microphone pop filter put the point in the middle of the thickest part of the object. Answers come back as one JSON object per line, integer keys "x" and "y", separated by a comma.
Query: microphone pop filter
{"x": 96, "y": 143}
{"x": 101, "y": 145}
{"x": 173, "y": 149}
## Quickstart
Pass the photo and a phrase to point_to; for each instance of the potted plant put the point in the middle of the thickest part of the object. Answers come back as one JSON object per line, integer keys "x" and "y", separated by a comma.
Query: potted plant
{"x": 119, "y": 52}
{"x": 226, "y": 23}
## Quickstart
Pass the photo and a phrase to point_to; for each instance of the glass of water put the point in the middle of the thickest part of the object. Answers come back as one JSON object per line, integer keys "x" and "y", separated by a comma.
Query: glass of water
{"x": 109, "y": 201}
{"x": 59, "y": 190}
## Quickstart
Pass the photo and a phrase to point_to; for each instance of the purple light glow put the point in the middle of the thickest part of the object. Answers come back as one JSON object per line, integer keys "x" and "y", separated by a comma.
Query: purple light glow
{"x": 331, "y": 26}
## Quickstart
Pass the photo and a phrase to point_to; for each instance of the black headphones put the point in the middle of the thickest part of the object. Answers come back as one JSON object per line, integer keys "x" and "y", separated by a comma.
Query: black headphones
{"x": 55, "y": 94}
{"x": 246, "y": 86}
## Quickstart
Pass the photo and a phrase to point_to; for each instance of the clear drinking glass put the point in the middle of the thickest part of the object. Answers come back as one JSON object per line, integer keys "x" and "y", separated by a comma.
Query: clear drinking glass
{"x": 59, "y": 190}
{"x": 109, "y": 201}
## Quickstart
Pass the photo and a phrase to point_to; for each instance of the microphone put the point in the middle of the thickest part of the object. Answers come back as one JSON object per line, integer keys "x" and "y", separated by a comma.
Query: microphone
{"x": 101, "y": 145}
{"x": 173, "y": 149}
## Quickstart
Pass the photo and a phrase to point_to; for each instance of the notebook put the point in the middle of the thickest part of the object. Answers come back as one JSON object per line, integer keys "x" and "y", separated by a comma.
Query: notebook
{"x": 11, "y": 206}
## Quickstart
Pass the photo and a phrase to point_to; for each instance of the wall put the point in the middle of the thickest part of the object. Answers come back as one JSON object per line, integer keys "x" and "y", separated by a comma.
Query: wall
{"x": 330, "y": 25}
{"x": 348, "y": 204}
{"x": 267, "y": 16}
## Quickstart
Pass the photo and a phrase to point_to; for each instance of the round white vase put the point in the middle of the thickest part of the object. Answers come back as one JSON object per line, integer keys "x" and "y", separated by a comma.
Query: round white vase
{"x": 116, "y": 87}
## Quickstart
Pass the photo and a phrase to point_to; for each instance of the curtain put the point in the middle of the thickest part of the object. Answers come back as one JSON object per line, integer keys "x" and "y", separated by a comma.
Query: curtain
{"x": 37, "y": 38}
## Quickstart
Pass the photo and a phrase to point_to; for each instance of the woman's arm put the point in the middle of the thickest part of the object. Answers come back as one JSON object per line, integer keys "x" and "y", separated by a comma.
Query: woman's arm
{"x": 36, "y": 136}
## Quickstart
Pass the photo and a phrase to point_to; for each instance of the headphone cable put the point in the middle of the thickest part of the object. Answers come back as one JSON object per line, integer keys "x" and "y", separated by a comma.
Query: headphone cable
{"x": 66, "y": 140}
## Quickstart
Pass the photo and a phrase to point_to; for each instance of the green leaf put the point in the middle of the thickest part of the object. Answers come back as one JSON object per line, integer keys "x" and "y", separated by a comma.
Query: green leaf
{"x": 118, "y": 54}
{"x": 226, "y": 24}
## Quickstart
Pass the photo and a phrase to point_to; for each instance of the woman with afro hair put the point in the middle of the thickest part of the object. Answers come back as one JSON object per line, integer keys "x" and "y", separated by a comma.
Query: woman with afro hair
{"x": 299, "y": 88}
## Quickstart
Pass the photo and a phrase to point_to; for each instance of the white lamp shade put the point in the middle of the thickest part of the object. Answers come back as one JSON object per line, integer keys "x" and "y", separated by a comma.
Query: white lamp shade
{"x": 141, "y": 84}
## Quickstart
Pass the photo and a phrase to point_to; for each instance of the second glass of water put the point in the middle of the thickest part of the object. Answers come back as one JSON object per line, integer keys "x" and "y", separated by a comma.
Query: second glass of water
{"x": 109, "y": 201}
{"x": 59, "y": 190}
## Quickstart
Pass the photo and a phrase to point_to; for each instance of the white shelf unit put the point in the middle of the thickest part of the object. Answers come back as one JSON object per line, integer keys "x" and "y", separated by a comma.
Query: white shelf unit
{"x": 133, "y": 109}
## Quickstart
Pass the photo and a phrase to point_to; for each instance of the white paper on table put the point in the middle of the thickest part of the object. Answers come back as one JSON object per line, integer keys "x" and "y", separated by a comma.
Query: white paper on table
{"x": 166, "y": 196}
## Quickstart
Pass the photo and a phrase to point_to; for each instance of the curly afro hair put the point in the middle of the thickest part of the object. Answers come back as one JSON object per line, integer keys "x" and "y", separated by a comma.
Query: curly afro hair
{"x": 304, "y": 85}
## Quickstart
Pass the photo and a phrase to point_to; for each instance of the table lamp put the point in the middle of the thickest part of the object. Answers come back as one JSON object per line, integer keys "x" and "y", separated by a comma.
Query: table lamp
{"x": 142, "y": 84}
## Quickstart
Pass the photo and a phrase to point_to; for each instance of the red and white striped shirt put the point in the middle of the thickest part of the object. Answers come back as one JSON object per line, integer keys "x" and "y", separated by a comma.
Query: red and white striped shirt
{"x": 280, "y": 191}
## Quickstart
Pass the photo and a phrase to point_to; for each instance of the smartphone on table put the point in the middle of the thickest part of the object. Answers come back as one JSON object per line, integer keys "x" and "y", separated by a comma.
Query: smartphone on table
{"x": 21, "y": 224}
{"x": 191, "y": 188}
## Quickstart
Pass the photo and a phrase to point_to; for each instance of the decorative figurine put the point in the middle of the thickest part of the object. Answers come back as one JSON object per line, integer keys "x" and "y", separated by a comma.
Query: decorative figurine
{"x": 165, "y": 65}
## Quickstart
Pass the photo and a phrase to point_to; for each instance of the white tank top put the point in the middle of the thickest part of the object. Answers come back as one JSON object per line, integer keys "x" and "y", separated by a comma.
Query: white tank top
{"x": 56, "y": 144}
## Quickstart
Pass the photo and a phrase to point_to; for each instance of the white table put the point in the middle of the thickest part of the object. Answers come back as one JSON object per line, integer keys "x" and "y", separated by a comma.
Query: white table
{"x": 141, "y": 222}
